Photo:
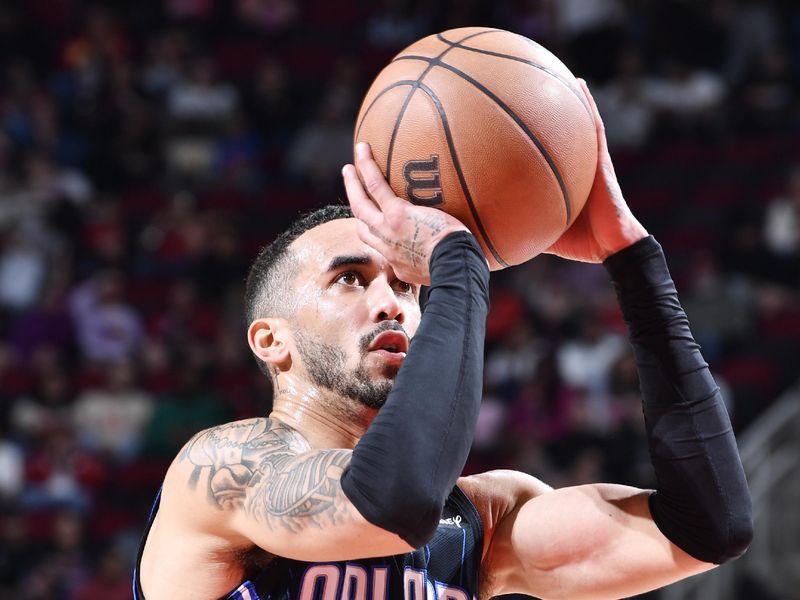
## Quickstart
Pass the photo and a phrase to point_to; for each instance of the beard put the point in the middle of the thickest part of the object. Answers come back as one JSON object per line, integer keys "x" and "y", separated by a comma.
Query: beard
{"x": 326, "y": 366}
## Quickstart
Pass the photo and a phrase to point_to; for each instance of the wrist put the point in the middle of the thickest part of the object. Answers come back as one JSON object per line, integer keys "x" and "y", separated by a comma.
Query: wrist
{"x": 631, "y": 233}
{"x": 640, "y": 270}
{"x": 451, "y": 242}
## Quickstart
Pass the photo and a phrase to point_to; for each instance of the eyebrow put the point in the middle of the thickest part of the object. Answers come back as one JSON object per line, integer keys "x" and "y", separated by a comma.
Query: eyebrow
{"x": 354, "y": 259}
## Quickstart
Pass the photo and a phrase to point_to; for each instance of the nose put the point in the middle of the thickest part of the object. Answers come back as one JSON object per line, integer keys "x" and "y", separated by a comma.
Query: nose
{"x": 383, "y": 302}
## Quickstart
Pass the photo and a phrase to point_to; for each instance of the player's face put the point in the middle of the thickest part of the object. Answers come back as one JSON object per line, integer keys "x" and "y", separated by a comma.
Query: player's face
{"x": 354, "y": 318}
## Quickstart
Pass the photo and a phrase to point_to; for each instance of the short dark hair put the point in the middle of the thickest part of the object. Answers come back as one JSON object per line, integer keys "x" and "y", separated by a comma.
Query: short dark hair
{"x": 266, "y": 290}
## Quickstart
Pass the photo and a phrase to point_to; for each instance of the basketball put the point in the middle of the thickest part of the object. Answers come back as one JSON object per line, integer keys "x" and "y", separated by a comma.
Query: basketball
{"x": 490, "y": 127}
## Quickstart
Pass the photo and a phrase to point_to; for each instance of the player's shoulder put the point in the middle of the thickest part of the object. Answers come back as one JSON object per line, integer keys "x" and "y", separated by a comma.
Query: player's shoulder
{"x": 211, "y": 468}
{"x": 229, "y": 440}
{"x": 502, "y": 485}
{"x": 498, "y": 493}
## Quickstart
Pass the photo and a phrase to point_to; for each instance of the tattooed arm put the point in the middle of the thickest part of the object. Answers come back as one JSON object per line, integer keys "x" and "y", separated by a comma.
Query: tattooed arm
{"x": 259, "y": 482}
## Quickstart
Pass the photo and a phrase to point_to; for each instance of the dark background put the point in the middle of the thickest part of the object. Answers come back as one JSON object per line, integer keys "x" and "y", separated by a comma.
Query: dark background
{"x": 148, "y": 149}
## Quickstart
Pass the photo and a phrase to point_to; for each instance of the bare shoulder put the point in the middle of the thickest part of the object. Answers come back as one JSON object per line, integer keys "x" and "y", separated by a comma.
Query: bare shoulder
{"x": 495, "y": 494}
{"x": 222, "y": 455}
{"x": 217, "y": 467}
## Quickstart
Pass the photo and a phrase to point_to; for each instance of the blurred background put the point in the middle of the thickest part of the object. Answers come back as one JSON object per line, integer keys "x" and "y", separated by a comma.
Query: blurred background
{"x": 148, "y": 149}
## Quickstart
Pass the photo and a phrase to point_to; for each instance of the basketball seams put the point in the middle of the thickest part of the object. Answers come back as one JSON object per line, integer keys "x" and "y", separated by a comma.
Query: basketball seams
{"x": 525, "y": 61}
{"x": 458, "y": 86}
{"x": 460, "y": 173}
{"x": 522, "y": 125}
{"x": 388, "y": 88}
{"x": 400, "y": 114}
{"x": 531, "y": 136}
{"x": 414, "y": 86}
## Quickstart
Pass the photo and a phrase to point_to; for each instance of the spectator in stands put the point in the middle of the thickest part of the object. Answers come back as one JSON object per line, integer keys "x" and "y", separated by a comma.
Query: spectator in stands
{"x": 721, "y": 308}
{"x": 23, "y": 268}
{"x": 200, "y": 97}
{"x": 219, "y": 270}
{"x": 591, "y": 33}
{"x": 514, "y": 362}
{"x": 585, "y": 361}
{"x": 60, "y": 473}
{"x": 108, "y": 329}
{"x": 158, "y": 376}
{"x": 186, "y": 319}
{"x": 543, "y": 406}
{"x": 104, "y": 237}
{"x": 138, "y": 144}
{"x": 626, "y": 457}
{"x": 199, "y": 105}
{"x": 754, "y": 34}
{"x": 185, "y": 410}
{"x": 270, "y": 102}
{"x": 768, "y": 97}
{"x": 627, "y": 113}
{"x": 63, "y": 565}
{"x": 48, "y": 408}
{"x": 12, "y": 465}
{"x": 238, "y": 156}
{"x": 782, "y": 218}
{"x": 166, "y": 53}
{"x": 688, "y": 98}
{"x": 112, "y": 419}
{"x": 324, "y": 143}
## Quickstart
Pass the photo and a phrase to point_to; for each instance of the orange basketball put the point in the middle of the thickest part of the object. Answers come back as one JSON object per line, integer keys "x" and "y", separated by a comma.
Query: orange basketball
{"x": 490, "y": 127}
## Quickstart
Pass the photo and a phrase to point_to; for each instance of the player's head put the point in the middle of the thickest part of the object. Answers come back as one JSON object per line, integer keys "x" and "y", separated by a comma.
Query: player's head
{"x": 317, "y": 300}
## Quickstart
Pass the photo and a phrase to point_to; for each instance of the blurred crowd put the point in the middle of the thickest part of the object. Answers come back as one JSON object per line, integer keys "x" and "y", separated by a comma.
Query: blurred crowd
{"x": 148, "y": 149}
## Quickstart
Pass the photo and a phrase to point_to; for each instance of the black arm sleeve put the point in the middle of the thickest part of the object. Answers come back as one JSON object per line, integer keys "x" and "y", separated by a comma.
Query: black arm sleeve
{"x": 407, "y": 462}
{"x": 702, "y": 503}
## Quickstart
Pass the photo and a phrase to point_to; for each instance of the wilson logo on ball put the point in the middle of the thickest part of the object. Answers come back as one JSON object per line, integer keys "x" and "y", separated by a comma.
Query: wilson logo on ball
{"x": 423, "y": 184}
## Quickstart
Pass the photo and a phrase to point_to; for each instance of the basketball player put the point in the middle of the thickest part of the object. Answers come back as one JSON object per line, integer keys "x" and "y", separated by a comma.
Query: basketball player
{"x": 350, "y": 488}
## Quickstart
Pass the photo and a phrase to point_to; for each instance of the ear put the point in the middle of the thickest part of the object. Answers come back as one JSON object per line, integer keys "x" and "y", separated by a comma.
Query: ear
{"x": 267, "y": 340}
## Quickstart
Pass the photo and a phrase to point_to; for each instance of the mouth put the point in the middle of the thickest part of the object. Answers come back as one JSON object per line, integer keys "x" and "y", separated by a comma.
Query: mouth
{"x": 392, "y": 345}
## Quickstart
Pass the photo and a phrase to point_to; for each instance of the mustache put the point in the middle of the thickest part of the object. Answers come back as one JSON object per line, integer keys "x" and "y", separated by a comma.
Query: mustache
{"x": 365, "y": 340}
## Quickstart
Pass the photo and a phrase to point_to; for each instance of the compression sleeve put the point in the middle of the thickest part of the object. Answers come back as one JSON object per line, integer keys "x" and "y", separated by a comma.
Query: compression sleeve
{"x": 702, "y": 503}
{"x": 406, "y": 464}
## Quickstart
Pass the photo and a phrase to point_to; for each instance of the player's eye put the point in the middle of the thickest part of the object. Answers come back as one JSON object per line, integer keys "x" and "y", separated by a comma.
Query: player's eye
{"x": 349, "y": 278}
{"x": 404, "y": 287}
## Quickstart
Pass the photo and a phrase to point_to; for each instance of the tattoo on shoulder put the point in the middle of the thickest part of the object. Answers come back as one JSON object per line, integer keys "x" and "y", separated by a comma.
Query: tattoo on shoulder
{"x": 269, "y": 471}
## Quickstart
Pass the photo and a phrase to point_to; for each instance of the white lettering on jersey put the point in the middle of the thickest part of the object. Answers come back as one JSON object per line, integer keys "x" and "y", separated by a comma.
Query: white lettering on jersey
{"x": 325, "y": 575}
{"x": 355, "y": 583}
{"x": 380, "y": 578}
{"x": 451, "y": 521}
{"x": 414, "y": 582}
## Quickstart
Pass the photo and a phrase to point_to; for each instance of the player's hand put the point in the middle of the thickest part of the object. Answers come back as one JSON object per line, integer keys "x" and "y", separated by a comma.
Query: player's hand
{"x": 605, "y": 225}
{"x": 402, "y": 232}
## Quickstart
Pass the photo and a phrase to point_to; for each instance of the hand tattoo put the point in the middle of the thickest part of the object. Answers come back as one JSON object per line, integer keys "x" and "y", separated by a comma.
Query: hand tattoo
{"x": 413, "y": 249}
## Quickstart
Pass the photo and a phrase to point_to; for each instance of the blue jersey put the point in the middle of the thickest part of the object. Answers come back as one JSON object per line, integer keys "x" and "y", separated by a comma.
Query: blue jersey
{"x": 447, "y": 568}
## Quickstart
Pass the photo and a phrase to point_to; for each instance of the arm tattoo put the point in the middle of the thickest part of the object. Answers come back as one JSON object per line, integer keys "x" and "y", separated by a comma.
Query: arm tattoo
{"x": 269, "y": 471}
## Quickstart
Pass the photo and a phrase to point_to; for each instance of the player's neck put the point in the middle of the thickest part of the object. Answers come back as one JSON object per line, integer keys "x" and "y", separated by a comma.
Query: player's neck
{"x": 325, "y": 419}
